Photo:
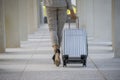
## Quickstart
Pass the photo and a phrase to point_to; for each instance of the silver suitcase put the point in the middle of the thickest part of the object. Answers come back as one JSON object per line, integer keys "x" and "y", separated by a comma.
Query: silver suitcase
{"x": 75, "y": 46}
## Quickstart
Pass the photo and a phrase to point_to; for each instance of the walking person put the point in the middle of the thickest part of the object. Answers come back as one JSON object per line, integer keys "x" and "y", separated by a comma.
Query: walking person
{"x": 56, "y": 16}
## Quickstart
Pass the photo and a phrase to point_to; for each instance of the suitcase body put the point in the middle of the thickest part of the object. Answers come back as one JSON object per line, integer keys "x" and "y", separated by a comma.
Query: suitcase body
{"x": 74, "y": 46}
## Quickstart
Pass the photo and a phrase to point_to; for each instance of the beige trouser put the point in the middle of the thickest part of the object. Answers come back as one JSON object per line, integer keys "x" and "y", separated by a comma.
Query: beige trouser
{"x": 56, "y": 20}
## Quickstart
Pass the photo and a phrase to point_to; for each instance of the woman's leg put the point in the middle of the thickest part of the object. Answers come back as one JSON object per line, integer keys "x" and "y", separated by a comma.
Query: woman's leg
{"x": 62, "y": 15}
{"x": 52, "y": 22}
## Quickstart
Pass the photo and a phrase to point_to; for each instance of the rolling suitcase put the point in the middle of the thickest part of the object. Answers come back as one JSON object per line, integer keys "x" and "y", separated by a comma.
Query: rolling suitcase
{"x": 74, "y": 46}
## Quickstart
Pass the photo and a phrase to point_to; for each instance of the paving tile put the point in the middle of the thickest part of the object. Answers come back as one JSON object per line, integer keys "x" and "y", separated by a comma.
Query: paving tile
{"x": 107, "y": 62}
{"x": 22, "y": 56}
{"x": 15, "y": 67}
{"x": 62, "y": 75}
{"x": 46, "y": 64}
{"x": 13, "y": 62}
{"x": 112, "y": 74}
{"x": 33, "y": 61}
{"x": 10, "y": 75}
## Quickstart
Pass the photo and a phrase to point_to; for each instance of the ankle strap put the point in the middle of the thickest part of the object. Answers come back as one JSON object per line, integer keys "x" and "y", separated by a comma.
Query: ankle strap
{"x": 57, "y": 51}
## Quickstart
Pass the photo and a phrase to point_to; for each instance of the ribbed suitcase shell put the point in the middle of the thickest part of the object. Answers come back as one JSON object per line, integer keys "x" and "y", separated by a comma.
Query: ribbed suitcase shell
{"x": 74, "y": 42}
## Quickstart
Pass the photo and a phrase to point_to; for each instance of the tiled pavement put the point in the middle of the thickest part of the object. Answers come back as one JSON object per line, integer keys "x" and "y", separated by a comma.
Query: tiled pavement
{"x": 33, "y": 62}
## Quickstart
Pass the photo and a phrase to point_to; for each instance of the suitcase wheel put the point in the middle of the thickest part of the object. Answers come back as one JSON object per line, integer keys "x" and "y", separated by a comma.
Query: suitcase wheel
{"x": 84, "y": 57}
{"x": 64, "y": 64}
{"x": 65, "y": 60}
{"x": 84, "y": 63}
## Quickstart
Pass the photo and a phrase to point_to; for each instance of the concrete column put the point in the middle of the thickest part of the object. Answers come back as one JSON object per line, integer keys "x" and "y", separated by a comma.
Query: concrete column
{"x": 32, "y": 15}
{"x": 95, "y": 16}
{"x": 12, "y": 23}
{"x": 23, "y": 23}
{"x": 116, "y": 26}
{"x": 103, "y": 20}
{"x": 81, "y": 12}
{"x": 85, "y": 13}
{"x": 41, "y": 13}
{"x": 2, "y": 28}
{"x": 36, "y": 13}
{"x": 38, "y": 9}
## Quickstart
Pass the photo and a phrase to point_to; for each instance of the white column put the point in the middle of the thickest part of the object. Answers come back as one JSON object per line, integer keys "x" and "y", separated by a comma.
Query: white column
{"x": 23, "y": 23}
{"x": 38, "y": 9}
{"x": 32, "y": 16}
{"x": 41, "y": 13}
{"x": 95, "y": 16}
{"x": 81, "y": 12}
{"x": 116, "y": 27}
{"x": 89, "y": 19}
{"x": 2, "y": 28}
{"x": 35, "y": 7}
{"x": 85, "y": 13}
{"x": 12, "y": 23}
{"x": 103, "y": 20}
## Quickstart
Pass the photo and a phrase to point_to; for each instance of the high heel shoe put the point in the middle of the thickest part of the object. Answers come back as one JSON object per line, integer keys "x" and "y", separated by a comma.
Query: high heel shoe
{"x": 57, "y": 58}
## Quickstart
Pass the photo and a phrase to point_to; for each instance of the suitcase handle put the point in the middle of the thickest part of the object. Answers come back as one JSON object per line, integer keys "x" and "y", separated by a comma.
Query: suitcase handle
{"x": 69, "y": 22}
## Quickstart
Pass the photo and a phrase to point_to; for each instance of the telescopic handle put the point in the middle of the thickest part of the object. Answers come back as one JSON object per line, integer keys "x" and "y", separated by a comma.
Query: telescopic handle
{"x": 69, "y": 22}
